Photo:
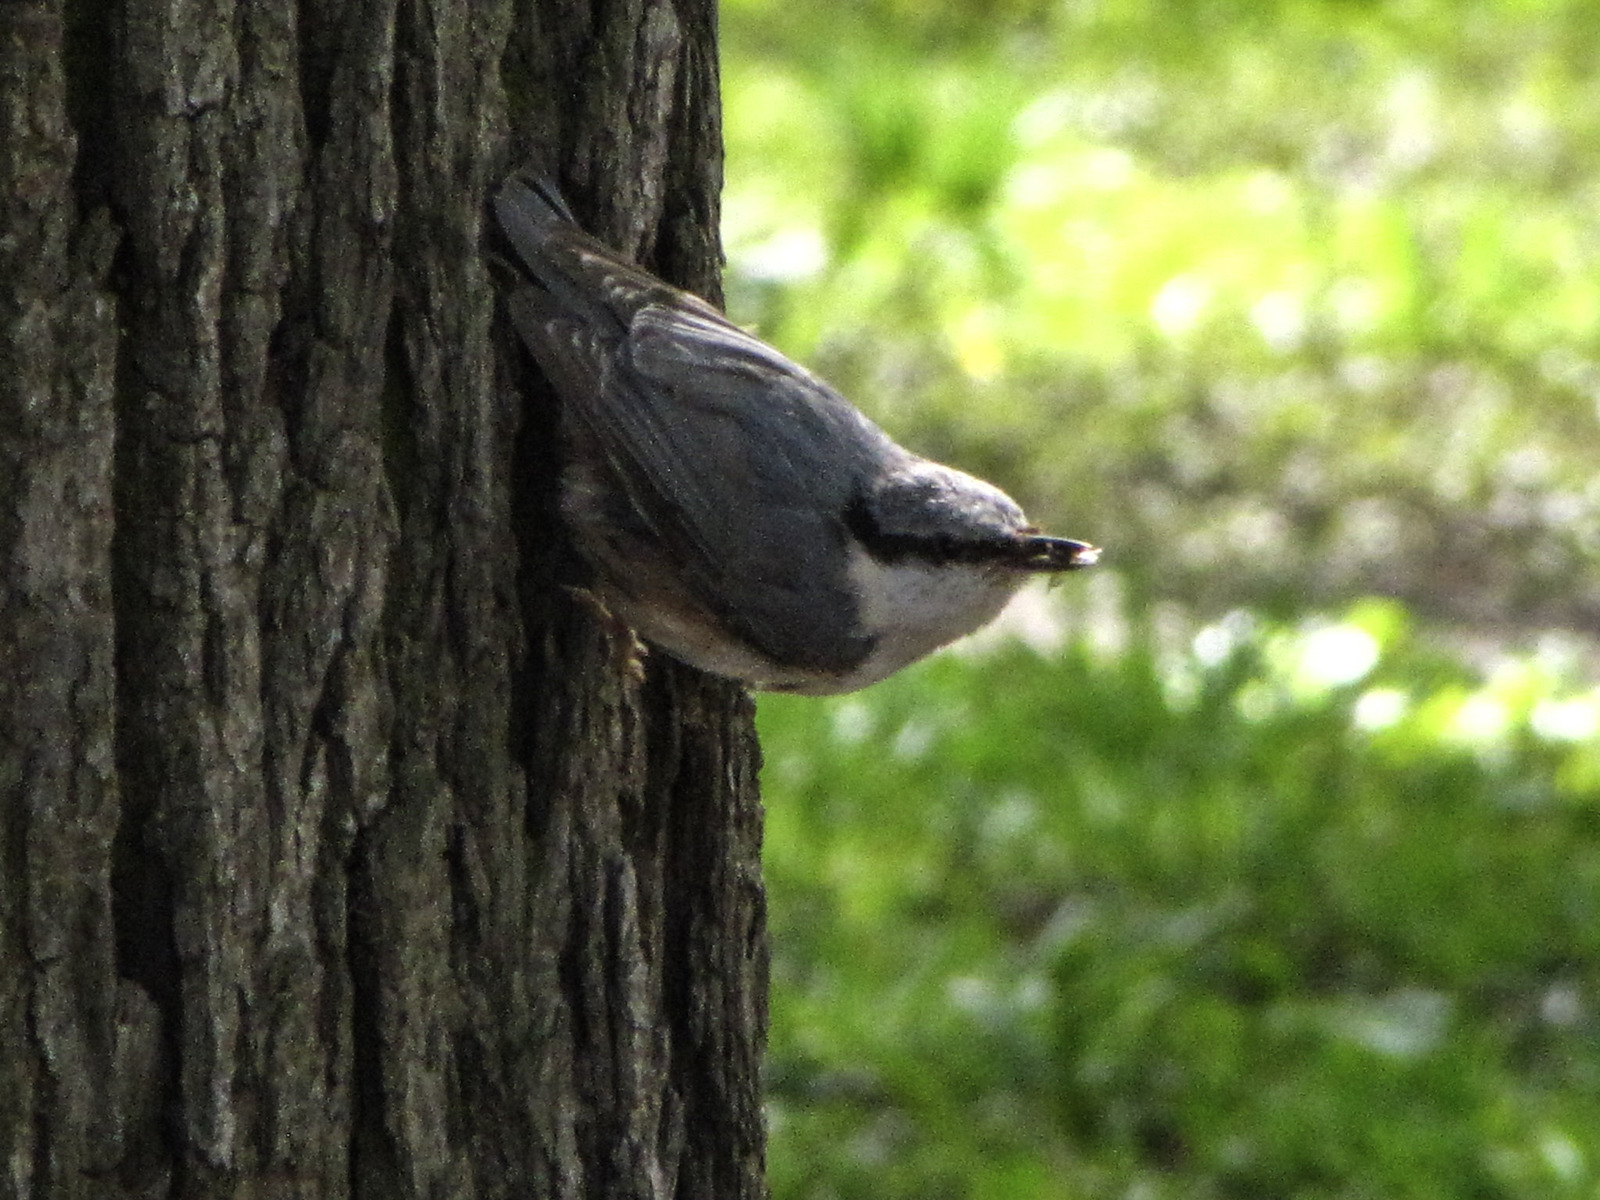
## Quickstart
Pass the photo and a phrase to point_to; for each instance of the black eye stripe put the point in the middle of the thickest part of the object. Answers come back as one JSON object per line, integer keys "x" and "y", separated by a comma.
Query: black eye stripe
{"x": 937, "y": 549}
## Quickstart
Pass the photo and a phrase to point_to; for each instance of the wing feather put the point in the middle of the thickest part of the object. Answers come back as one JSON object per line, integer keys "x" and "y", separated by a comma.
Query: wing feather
{"x": 726, "y": 450}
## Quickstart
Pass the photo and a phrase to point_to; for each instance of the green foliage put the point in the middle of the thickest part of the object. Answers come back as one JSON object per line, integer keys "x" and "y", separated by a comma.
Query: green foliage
{"x": 1313, "y": 283}
{"x": 1286, "y": 302}
{"x": 1267, "y": 911}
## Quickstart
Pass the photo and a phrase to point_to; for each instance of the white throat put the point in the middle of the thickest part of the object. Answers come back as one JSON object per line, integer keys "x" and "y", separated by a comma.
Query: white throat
{"x": 912, "y": 607}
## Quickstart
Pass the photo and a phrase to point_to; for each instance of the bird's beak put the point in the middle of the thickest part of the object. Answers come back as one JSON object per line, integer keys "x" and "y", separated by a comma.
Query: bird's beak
{"x": 1058, "y": 554}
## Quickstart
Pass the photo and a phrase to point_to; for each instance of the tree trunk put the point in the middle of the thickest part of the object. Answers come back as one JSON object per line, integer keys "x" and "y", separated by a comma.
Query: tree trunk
{"x": 345, "y": 851}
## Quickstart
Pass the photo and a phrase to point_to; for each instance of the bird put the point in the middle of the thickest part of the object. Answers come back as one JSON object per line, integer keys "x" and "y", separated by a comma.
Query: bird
{"x": 735, "y": 511}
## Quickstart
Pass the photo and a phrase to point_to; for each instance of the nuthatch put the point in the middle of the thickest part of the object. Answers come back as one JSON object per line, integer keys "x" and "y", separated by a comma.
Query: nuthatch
{"x": 737, "y": 511}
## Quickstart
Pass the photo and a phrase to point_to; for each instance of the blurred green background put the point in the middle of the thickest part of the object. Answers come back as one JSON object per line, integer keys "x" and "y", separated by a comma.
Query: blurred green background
{"x": 1265, "y": 861}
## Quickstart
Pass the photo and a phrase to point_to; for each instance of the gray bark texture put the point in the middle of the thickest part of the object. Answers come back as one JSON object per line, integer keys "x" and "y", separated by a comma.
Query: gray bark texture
{"x": 345, "y": 850}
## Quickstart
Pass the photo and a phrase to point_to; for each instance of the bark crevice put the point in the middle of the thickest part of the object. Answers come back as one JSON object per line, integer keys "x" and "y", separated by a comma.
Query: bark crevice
{"x": 345, "y": 850}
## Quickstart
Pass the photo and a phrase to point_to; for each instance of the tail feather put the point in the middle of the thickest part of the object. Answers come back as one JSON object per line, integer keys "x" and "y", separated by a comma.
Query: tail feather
{"x": 527, "y": 207}
{"x": 529, "y": 196}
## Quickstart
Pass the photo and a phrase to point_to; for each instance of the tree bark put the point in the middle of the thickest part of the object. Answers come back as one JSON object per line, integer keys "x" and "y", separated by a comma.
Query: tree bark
{"x": 345, "y": 850}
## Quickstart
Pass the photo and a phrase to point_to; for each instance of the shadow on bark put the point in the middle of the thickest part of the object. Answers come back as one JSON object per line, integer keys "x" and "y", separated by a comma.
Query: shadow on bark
{"x": 344, "y": 851}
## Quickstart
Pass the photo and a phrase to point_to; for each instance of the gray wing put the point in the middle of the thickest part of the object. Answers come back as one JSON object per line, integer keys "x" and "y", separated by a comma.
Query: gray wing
{"x": 739, "y": 462}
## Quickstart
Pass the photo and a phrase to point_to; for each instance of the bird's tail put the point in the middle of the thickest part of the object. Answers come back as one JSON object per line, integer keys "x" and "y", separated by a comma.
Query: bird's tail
{"x": 529, "y": 207}
{"x": 527, "y": 195}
